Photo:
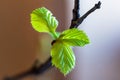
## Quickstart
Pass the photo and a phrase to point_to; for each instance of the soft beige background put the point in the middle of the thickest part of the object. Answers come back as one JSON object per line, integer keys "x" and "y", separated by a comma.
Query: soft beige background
{"x": 18, "y": 41}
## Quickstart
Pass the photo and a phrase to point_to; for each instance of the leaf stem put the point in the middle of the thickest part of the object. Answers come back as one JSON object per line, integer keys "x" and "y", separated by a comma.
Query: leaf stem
{"x": 54, "y": 34}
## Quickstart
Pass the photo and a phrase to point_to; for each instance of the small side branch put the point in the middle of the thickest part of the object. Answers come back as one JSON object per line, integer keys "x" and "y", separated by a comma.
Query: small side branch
{"x": 80, "y": 20}
{"x": 35, "y": 70}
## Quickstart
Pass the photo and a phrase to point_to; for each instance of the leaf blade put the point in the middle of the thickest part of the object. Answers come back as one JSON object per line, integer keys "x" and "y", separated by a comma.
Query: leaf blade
{"x": 74, "y": 37}
{"x": 42, "y": 20}
{"x": 62, "y": 57}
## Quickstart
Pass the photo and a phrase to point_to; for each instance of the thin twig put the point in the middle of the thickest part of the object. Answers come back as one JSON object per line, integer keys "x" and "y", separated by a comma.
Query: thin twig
{"x": 80, "y": 20}
{"x": 35, "y": 70}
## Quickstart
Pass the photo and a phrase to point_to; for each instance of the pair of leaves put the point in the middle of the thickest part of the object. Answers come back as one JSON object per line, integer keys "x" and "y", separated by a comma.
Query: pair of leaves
{"x": 62, "y": 55}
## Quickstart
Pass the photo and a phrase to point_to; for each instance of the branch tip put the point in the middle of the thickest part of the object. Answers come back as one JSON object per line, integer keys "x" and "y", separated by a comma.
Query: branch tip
{"x": 98, "y": 5}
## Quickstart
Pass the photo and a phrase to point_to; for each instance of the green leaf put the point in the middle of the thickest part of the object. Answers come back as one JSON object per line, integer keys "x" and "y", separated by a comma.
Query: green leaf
{"x": 43, "y": 21}
{"x": 74, "y": 37}
{"x": 62, "y": 57}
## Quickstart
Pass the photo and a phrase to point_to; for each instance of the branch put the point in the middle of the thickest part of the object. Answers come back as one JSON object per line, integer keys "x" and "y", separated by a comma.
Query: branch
{"x": 77, "y": 22}
{"x": 35, "y": 70}
{"x": 76, "y": 13}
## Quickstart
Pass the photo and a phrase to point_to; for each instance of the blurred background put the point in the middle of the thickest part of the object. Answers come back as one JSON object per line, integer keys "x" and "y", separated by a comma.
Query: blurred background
{"x": 20, "y": 45}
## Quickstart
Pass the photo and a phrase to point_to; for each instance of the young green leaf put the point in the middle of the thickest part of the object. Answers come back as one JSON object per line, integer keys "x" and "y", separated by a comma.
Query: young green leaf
{"x": 43, "y": 21}
{"x": 62, "y": 57}
{"x": 74, "y": 37}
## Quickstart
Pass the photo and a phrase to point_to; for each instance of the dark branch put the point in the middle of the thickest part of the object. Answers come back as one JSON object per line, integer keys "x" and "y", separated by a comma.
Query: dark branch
{"x": 76, "y": 14}
{"x": 80, "y": 20}
{"x": 35, "y": 70}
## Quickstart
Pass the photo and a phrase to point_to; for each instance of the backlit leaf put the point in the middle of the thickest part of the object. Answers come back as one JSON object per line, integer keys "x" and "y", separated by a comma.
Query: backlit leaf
{"x": 62, "y": 57}
{"x": 43, "y": 21}
{"x": 74, "y": 37}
